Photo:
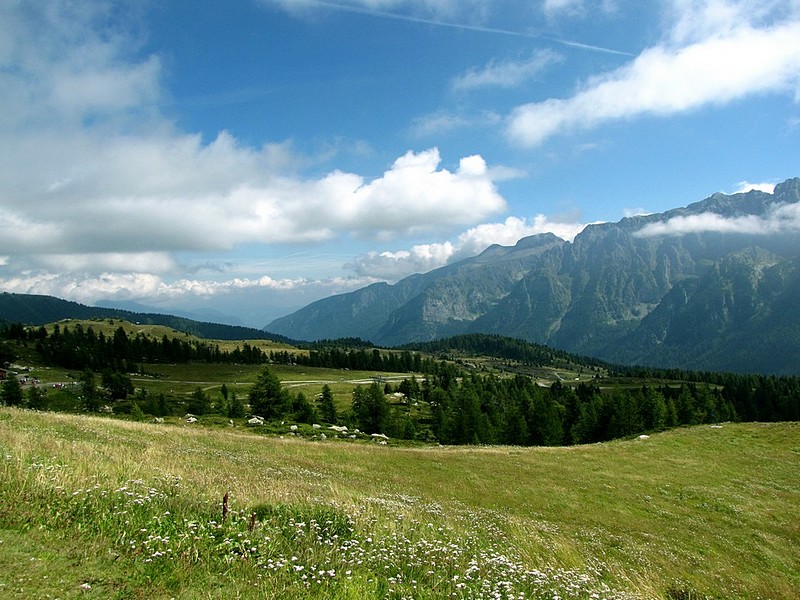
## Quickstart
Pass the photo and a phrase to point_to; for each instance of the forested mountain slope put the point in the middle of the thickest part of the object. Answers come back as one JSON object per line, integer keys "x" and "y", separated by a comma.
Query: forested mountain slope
{"x": 34, "y": 309}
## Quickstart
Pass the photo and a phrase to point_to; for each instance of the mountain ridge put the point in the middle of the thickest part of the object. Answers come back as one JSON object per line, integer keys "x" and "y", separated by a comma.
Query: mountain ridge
{"x": 600, "y": 294}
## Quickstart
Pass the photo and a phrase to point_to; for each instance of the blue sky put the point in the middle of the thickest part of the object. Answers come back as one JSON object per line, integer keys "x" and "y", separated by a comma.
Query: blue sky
{"x": 251, "y": 156}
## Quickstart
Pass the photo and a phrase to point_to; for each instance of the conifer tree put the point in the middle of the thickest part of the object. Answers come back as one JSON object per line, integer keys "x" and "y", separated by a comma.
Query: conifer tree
{"x": 303, "y": 410}
{"x": 235, "y": 406}
{"x": 267, "y": 398}
{"x": 199, "y": 402}
{"x": 136, "y": 411}
{"x": 91, "y": 397}
{"x": 36, "y": 398}
{"x": 370, "y": 408}
{"x": 327, "y": 409}
{"x": 12, "y": 392}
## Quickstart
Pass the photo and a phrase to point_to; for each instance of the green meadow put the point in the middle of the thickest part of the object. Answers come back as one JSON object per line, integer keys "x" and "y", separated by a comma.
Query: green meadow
{"x": 108, "y": 508}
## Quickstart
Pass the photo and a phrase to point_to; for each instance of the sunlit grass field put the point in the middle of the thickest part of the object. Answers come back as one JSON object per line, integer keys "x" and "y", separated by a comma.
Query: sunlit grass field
{"x": 182, "y": 379}
{"x": 99, "y": 507}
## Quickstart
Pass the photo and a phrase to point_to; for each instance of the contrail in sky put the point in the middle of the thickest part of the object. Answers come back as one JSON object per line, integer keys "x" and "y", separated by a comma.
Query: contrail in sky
{"x": 395, "y": 16}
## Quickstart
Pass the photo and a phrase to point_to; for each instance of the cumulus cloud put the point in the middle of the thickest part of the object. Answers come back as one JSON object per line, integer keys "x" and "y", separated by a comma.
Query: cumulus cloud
{"x": 782, "y": 218}
{"x": 717, "y": 52}
{"x": 508, "y": 73}
{"x": 102, "y": 195}
{"x": 93, "y": 177}
{"x": 392, "y": 266}
{"x": 421, "y": 258}
{"x": 171, "y": 193}
{"x": 413, "y": 195}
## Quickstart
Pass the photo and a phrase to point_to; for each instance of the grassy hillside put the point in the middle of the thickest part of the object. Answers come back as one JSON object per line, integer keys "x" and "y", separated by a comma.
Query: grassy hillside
{"x": 106, "y": 508}
{"x": 34, "y": 309}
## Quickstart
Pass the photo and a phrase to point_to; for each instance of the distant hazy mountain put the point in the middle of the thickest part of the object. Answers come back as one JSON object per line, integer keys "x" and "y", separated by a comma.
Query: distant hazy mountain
{"x": 31, "y": 309}
{"x": 202, "y": 315}
{"x": 714, "y": 285}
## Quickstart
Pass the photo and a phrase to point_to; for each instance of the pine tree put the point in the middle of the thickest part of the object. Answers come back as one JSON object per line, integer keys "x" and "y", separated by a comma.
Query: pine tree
{"x": 370, "y": 408}
{"x": 136, "y": 411}
{"x": 118, "y": 385}
{"x": 235, "y": 406}
{"x": 91, "y": 397}
{"x": 327, "y": 409}
{"x": 468, "y": 427}
{"x": 267, "y": 398}
{"x": 199, "y": 402}
{"x": 303, "y": 410}
{"x": 36, "y": 398}
{"x": 653, "y": 410}
{"x": 515, "y": 429}
{"x": 12, "y": 392}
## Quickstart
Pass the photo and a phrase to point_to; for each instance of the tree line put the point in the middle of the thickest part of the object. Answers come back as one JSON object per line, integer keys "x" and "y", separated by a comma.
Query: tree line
{"x": 455, "y": 407}
{"x": 78, "y": 347}
{"x": 499, "y": 346}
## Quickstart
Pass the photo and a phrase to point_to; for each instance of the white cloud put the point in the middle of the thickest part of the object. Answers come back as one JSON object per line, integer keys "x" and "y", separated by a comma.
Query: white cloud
{"x": 88, "y": 288}
{"x": 68, "y": 68}
{"x": 84, "y": 288}
{"x": 413, "y": 195}
{"x": 421, "y": 258}
{"x": 506, "y": 73}
{"x": 635, "y": 212}
{"x": 746, "y": 186}
{"x": 142, "y": 262}
{"x": 170, "y": 193}
{"x": 102, "y": 195}
{"x": 92, "y": 176}
{"x": 693, "y": 20}
{"x": 779, "y": 219}
{"x": 392, "y": 266}
{"x": 733, "y": 59}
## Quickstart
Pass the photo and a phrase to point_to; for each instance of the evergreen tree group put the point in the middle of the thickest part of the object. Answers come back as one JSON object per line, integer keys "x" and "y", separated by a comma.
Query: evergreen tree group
{"x": 461, "y": 406}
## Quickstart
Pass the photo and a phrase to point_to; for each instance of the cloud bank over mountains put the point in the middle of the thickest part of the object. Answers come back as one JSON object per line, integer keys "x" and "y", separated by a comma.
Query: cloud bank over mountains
{"x": 780, "y": 218}
{"x": 392, "y": 266}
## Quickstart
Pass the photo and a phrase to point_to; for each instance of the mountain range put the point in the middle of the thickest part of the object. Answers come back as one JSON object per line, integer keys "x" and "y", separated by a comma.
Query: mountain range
{"x": 714, "y": 286}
